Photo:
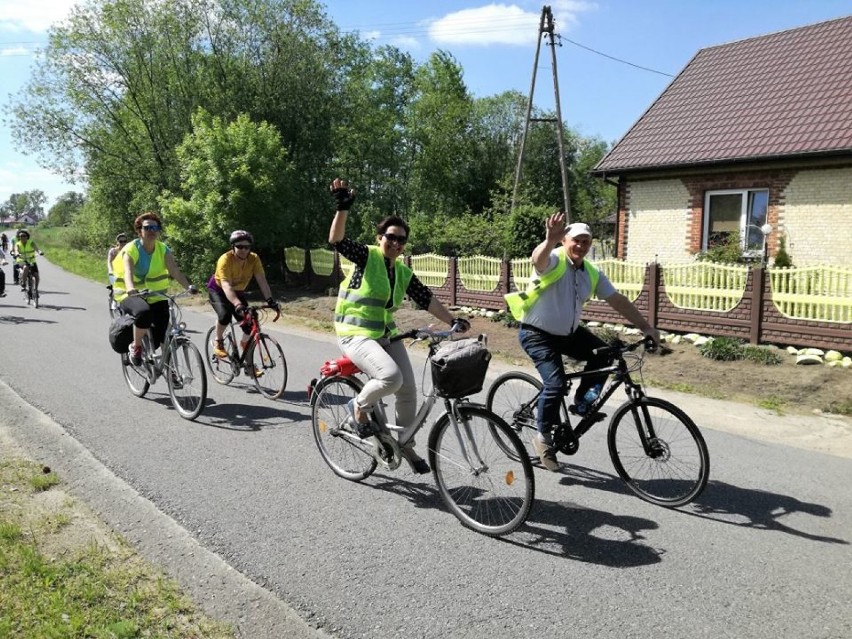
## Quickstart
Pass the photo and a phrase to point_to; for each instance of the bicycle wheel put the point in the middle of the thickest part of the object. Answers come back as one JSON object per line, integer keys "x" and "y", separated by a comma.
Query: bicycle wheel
{"x": 136, "y": 377}
{"x": 35, "y": 295}
{"x": 267, "y": 367}
{"x": 347, "y": 457}
{"x": 672, "y": 467}
{"x": 486, "y": 488}
{"x": 186, "y": 378}
{"x": 513, "y": 398}
{"x": 221, "y": 369}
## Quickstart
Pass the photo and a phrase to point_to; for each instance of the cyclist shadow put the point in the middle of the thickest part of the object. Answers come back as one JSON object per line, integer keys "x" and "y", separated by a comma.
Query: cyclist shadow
{"x": 420, "y": 495}
{"x": 16, "y": 319}
{"x": 55, "y": 307}
{"x": 588, "y": 535}
{"x": 243, "y": 417}
{"x": 754, "y": 508}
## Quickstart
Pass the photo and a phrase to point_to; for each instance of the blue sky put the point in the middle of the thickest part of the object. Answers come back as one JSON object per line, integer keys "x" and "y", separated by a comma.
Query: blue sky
{"x": 495, "y": 44}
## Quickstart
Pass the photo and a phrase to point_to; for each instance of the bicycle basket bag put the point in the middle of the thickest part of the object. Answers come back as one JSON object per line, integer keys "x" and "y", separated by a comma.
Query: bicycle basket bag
{"x": 121, "y": 333}
{"x": 459, "y": 367}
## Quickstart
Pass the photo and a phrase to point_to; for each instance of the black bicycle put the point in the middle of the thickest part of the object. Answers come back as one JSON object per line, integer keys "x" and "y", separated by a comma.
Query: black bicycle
{"x": 30, "y": 283}
{"x": 656, "y": 448}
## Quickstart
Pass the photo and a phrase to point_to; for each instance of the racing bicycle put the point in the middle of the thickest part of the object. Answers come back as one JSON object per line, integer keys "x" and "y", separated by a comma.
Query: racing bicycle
{"x": 262, "y": 360}
{"x": 478, "y": 462}
{"x": 179, "y": 362}
{"x": 655, "y": 447}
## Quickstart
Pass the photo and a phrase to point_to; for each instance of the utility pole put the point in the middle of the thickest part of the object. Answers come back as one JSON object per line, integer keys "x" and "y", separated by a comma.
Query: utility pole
{"x": 545, "y": 29}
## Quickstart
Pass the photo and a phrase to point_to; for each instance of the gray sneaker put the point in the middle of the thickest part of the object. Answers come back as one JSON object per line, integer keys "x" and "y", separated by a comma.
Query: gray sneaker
{"x": 546, "y": 452}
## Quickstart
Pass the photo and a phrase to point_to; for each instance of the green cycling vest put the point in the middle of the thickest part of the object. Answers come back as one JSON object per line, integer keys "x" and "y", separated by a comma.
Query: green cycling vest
{"x": 155, "y": 280}
{"x": 520, "y": 302}
{"x": 25, "y": 250}
{"x": 363, "y": 311}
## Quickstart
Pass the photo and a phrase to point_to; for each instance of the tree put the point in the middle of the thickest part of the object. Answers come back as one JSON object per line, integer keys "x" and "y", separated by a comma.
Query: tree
{"x": 236, "y": 176}
{"x": 66, "y": 208}
{"x": 27, "y": 203}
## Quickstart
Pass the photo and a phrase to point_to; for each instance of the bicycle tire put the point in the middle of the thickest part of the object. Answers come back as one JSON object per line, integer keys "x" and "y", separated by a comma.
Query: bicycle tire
{"x": 346, "y": 458}
{"x": 35, "y": 296}
{"x": 677, "y": 469}
{"x": 493, "y": 495}
{"x": 186, "y": 378}
{"x": 267, "y": 357}
{"x": 136, "y": 377}
{"x": 222, "y": 370}
{"x": 509, "y": 398}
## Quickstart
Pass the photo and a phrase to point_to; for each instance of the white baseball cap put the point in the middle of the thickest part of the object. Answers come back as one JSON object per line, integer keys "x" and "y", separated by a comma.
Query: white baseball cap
{"x": 578, "y": 228}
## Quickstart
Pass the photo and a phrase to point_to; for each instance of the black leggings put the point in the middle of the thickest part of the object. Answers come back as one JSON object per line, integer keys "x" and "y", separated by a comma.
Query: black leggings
{"x": 154, "y": 316}
{"x": 224, "y": 309}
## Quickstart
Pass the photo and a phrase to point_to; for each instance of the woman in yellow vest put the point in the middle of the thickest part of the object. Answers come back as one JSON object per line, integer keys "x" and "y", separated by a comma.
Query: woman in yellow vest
{"x": 146, "y": 263}
{"x": 549, "y": 312}
{"x": 363, "y": 317}
{"x": 25, "y": 257}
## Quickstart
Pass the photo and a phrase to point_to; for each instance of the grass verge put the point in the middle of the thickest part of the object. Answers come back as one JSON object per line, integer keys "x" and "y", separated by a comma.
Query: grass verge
{"x": 63, "y": 574}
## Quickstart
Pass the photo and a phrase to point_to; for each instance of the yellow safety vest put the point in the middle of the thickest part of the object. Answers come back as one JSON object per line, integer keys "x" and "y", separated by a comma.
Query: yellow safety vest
{"x": 363, "y": 311}
{"x": 26, "y": 251}
{"x": 520, "y": 302}
{"x": 156, "y": 279}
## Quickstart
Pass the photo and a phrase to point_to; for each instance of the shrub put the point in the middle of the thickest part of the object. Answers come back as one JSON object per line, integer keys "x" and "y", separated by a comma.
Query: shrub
{"x": 606, "y": 333}
{"x": 761, "y": 355}
{"x": 722, "y": 349}
{"x": 782, "y": 257}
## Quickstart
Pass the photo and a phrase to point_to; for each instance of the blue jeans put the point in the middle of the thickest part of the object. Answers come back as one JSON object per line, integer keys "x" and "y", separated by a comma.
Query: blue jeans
{"x": 546, "y": 351}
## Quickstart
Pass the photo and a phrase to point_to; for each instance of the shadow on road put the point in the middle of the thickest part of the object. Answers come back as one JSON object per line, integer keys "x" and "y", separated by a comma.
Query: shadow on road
{"x": 582, "y": 534}
{"x": 754, "y": 508}
{"x": 54, "y": 307}
{"x": 243, "y": 416}
{"x": 15, "y": 319}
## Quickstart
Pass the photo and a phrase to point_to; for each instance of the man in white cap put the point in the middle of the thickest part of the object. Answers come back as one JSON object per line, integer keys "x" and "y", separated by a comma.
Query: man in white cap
{"x": 549, "y": 312}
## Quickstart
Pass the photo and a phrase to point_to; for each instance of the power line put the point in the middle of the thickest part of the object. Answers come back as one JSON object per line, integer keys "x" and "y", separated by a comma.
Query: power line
{"x": 611, "y": 57}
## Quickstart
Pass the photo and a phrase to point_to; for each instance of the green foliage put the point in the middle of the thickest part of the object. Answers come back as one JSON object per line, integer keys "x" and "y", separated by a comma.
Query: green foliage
{"x": 235, "y": 176}
{"x": 526, "y": 229}
{"x": 761, "y": 355}
{"x": 728, "y": 252}
{"x": 607, "y": 334}
{"x": 65, "y": 209}
{"x": 782, "y": 257}
{"x": 26, "y": 203}
{"x": 722, "y": 349}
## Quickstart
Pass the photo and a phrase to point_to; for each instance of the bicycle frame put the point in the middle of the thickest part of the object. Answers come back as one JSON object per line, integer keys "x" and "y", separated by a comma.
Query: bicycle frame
{"x": 156, "y": 367}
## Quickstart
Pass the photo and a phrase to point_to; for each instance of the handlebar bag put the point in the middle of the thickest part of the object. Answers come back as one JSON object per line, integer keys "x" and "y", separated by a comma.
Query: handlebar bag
{"x": 459, "y": 367}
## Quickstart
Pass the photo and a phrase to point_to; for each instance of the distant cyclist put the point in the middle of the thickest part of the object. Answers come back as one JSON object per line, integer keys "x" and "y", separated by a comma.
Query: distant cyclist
{"x": 120, "y": 241}
{"x": 148, "y": 263}
{"x": 3, "y": 262}
{"x": 227, "y": 286}
{"x": 25, "y": 257}
{"x": 4, "y": 243}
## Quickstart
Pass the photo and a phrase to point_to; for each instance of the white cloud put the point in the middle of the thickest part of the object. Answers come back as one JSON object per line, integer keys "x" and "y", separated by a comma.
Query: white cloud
{"x": 502, "y": 24}
{"x": 15, "y": 51}
{"x": 405, "y": 42}
{"x": 32, "y": 15}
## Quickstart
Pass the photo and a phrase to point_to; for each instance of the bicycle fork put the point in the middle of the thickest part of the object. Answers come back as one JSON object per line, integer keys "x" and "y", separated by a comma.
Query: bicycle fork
{"x": 465, "y": 438}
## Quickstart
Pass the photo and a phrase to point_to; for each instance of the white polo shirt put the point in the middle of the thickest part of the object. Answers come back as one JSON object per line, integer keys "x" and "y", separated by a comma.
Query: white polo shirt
{"x": 560, "y": 306}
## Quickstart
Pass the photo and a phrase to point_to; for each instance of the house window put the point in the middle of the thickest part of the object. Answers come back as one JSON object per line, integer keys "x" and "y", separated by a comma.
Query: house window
{"x": 742, "y": 212}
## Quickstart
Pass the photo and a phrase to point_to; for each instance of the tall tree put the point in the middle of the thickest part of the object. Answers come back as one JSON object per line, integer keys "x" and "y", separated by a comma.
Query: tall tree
{"x": 27, "y": 203}
{"x": 67, "y": 206}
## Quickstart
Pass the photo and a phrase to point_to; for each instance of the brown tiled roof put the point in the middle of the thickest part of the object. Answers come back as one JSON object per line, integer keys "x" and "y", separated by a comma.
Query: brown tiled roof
{"x": 779, "y": 95}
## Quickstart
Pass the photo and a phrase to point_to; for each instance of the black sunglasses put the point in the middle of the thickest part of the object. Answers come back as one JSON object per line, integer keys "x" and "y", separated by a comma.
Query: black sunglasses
{"x": 151, "y": 227}
{"x": 243, "y": 247}
{"x": 399, "y": 239}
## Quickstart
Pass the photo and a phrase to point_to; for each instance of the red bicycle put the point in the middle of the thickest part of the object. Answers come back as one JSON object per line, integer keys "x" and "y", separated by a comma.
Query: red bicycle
{"x": 262, "y": 360}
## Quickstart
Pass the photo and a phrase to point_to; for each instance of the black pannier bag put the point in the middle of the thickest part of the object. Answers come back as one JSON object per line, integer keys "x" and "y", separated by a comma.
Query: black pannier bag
{"x": 121, "y": 333}
{"x": 459, "y": 367}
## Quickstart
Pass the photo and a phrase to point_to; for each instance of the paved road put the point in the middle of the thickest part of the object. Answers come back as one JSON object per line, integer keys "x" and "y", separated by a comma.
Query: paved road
{"x": 764, "y": 553}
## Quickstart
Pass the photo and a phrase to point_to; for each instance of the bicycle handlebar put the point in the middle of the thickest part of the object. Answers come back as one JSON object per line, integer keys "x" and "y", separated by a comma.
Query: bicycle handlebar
{"x": 618, "y": 347}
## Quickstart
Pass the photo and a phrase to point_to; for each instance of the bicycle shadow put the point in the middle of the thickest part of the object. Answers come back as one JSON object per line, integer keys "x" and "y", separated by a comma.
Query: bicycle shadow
{"x": 722, "y": 502}
{"x": 44, "y": 292}
{"x": 755, "y": 508}
{"x": 587, "y": 535}
{"x": 16, "y": 319}
{"x": 243, "y": 417}
{"x": 54, "y": 307}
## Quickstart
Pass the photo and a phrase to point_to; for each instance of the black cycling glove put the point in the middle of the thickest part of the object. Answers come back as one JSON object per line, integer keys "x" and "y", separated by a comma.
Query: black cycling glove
{"x": 344, "y": 198}
{"x": 240, "y": 312}
{"x": 271, "y": 303}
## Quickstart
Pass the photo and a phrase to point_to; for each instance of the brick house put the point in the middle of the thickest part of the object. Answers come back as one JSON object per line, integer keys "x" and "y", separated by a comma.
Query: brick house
{"x": 751, "y": 136}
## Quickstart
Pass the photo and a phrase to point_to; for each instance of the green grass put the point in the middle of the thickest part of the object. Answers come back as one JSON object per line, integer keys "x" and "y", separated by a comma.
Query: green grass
{"x": 56, "y": 582}
{"x": 772, "y": 403}
{"x": 54, "y": 242}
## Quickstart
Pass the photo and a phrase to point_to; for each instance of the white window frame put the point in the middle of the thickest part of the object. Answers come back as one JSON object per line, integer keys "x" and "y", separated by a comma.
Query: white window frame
{"x": 757, "y": 252}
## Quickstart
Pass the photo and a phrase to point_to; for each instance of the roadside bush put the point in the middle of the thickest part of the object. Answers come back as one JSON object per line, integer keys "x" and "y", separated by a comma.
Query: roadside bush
{"x": 607, "y": 334}
{"x": 761, "y": 355}
{"x": 723, "y": 349}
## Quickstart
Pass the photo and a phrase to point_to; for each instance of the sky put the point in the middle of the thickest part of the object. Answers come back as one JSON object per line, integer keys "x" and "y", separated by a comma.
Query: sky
{"x": 615, "y": 58}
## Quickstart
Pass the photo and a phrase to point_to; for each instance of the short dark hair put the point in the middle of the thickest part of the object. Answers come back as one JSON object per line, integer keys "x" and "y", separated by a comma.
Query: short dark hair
{"x": 389, "y": 221}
